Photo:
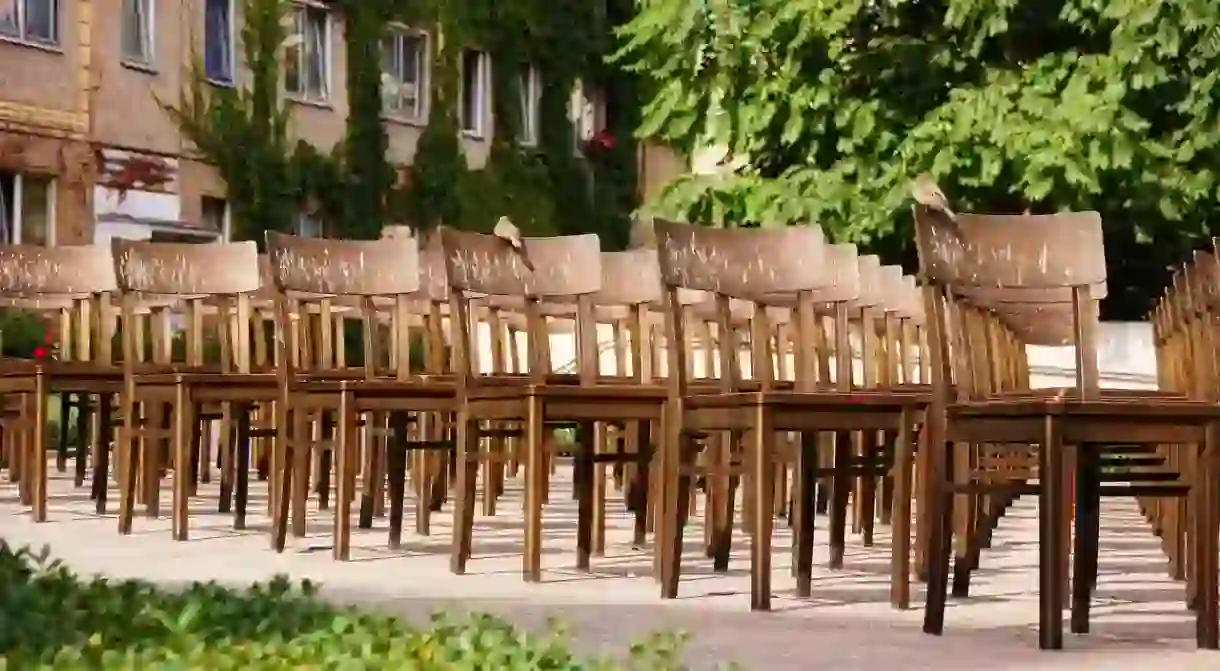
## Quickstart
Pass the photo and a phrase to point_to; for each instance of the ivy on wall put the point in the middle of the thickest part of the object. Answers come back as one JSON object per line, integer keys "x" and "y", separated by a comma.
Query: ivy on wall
{"x": 546, "y": 189}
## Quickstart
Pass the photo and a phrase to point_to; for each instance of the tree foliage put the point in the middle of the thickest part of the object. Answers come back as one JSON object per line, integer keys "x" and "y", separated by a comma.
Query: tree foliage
{"x": 831, "y": 105}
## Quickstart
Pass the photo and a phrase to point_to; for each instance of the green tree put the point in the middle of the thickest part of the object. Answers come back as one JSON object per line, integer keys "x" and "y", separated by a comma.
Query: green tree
{"x": 830, "y": 107}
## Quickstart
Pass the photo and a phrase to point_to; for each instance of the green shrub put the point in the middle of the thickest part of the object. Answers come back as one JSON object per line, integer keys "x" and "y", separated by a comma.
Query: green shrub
{"x": 52, "y": 619}
{"x": 21, "y": 331}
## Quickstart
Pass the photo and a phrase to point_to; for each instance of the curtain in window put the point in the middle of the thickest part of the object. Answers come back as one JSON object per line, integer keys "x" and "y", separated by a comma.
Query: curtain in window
{"x": 134, "y": 30}
{"x": 391, "y": 67}
{"x": 40, "y": 20}
{"x": 217, "y": 47}
{"x": 8, "y": 18}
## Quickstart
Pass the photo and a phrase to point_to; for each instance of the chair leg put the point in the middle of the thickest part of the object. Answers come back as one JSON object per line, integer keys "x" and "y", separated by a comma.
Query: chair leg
{"x": 1051, "y": 548}
{"x": 65, "y": 415}
{"x": 1088, "y": 528}
{"x": 803, "y": 513}
{"x": 842, "y": 485}
{"x": 463, "y": 507}
{"x": 347, "y": 455}
{"x": 100, "y": 445}
{"x": 396, "y": 471}
{"x": 762, "y": 460}
{"x": 584, "y": 473}
{"x": 940, "y": 541}
{"x": 241, "y": 470}
{"x": 182, "y": 441}
{"x": 83, "y": 423}
{"x": 535, "y": 488}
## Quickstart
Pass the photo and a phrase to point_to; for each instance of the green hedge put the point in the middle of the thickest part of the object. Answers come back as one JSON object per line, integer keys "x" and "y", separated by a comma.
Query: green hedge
{"x": 52, "y": 619}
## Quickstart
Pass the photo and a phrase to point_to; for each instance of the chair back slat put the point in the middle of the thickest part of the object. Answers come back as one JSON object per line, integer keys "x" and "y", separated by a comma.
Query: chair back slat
{"x": 486, "y": 264}
{"x": 742, "y": 263}
{"x": 386, "y": 267}
{"x": 182, "y": 269}
{"x": 29, "y": 271}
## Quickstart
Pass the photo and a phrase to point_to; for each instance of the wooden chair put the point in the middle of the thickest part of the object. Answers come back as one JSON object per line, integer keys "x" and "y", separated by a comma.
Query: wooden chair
{"x": 74, "y": 284}
{"x": 566, "y": 270}
{"x": 166, "y": 276}
{"x": 996, "y": 260}
{"x": 381, "y": 277}
{"x": 766, "y": 268}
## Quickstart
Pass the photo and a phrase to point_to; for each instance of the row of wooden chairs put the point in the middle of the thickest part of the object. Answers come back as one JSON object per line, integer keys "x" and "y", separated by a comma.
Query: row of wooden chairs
{"x": 392, "y": 288}
{"x": 757, "y": 402}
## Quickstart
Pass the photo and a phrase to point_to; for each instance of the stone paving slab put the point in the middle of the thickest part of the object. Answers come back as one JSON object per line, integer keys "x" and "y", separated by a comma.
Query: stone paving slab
{"x": 1140, "y": 621}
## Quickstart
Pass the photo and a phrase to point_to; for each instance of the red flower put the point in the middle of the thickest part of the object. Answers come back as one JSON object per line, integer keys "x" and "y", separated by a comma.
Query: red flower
{"x": 604, "y": 140}
{"x": 40, "y": 352}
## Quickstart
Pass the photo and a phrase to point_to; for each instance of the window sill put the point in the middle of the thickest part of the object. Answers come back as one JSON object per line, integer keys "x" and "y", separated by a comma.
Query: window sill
{"x": 51, "y": 48}
{"x": 137, "y": 66}
{"x": 221, "y": 83}
{"x": 477, "y": 136}
{"x": 399, "y": 120}
{"x": 316, "y": 103}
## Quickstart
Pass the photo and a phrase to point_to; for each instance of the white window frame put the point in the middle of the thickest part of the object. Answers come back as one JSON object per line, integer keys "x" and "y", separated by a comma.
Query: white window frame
{"x": 17, "y": 224}
{"x": 21, "y": 30}
{"x": 530, "y": 90}
{"x": 232, "y": 46}
{"x": 482, "y": 89}
{"x": 423, "y": 82}
{"x": 150, "y": 42}
{"x": 327, "y": 55}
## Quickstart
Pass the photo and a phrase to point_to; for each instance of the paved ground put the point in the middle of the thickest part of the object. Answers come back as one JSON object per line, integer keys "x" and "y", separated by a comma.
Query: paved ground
{"x": 1140, "y": 622}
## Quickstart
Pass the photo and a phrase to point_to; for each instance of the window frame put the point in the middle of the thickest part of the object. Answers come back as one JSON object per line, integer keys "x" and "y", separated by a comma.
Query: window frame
{"x": 397, "y": 33}
{"x": 145, "y": 60}
{"x": 230, "y": 44}
{"x": 327, "y": 56}
{"x": 21, "y": 31}
{"x": 477, "y": 131}
{"x": 530, "y": 92}
{"x": 17, "y": 224}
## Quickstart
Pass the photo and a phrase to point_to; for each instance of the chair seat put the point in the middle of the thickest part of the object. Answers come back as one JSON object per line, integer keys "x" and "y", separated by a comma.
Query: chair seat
{"x": 834, "y": 400}
{"x": 610, "y": 392}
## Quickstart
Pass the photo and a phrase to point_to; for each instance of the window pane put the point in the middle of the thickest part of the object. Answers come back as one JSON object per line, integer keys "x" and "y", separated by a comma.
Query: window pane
{"x": 36, "y": 212}
{"x": 315, "y": 53}
{"x": 8, "y": 208}
{"x": 40, "y": 20}
{"x": 470, "y": 91}
{"x": 292, "y": 53}
{"x": 8, "y": 18}
{"x": 135, "y": 31}
{"x": 217, "y": 48}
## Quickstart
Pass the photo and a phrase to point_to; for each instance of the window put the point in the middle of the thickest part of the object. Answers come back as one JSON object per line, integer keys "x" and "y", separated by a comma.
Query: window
{"x": 27, "y": 209}
{"x": 307, "y": 54}
{"x": 214, "y": 215}
{"x": 404, "y": 74}
{"x": 308, "y": 226}
{"x": 586, "y": 114}
{"x": 530, "y": 87}
{"x": 30, "y": 20}
{"x": 136, "y": 31}
{"x": 476, "y": 73}
{"x": 218, "y": 41}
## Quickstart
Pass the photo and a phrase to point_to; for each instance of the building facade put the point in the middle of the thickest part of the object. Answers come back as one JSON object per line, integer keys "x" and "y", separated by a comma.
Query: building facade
{"x": 88, "y": 153}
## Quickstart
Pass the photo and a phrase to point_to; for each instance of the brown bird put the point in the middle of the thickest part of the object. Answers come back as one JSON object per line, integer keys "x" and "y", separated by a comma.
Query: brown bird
{"x": 926, "y": 192}
{"x": 507, "y": 231}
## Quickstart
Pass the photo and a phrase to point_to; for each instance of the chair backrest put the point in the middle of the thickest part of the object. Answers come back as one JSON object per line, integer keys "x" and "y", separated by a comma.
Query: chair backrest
{"x": 762, "y": 266}
{"x": 185, "y": 269}
{"x": 27, "y": 271}
{"x": 386, "y": 267}
{"x": 1008, "y": 262}
{"x": 565, "y": 269}
{"x": 486, "y": 264}
{"x": 742, "y": 263}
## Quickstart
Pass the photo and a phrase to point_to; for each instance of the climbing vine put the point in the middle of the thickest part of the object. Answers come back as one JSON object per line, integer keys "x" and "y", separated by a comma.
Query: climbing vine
{"x": 553, "y": 187}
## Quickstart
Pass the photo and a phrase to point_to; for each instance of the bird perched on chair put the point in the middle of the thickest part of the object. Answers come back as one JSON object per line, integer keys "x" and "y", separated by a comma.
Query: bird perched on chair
{"x": 507, "y": 231}
{"x": 927, "y": 193}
